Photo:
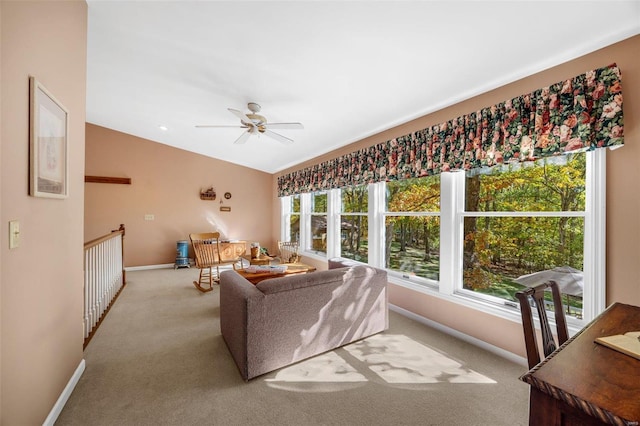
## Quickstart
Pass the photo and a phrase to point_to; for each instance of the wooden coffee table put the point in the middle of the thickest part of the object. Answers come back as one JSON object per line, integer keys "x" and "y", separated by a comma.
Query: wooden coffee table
{"x": 292, "y": 268}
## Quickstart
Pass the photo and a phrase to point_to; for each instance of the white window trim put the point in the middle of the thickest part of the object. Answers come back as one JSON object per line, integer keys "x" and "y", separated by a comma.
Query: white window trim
{"x": 285, "y": 218}
{"x": 594, "y": 268}
{"x": 305, "y": 222}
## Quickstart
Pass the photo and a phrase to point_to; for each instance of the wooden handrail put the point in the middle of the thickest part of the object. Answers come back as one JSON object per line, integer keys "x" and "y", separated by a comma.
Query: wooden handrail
{"x": 99, "y": 240}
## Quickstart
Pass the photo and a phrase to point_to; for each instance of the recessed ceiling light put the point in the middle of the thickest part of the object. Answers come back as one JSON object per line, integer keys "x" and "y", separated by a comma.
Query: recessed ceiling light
{"x": 163, "y": 128}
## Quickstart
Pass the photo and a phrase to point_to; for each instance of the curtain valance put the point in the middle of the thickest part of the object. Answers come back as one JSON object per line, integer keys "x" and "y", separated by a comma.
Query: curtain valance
{"x": 582, "y": 113}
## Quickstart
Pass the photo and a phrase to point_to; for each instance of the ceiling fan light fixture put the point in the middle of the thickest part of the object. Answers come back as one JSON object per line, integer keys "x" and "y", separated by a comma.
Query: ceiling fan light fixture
{"x": 256, "y": 119}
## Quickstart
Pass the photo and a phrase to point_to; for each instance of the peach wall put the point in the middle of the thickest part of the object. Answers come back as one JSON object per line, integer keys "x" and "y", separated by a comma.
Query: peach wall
{"x": 41, "y": 280}
{"x": 1, "y": 221}
{"x": 623, "y": 201}
{"x": 166, "y": 183}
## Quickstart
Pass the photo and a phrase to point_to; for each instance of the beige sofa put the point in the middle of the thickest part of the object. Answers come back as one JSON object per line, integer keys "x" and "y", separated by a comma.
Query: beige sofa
{"x": 284, "y": 320}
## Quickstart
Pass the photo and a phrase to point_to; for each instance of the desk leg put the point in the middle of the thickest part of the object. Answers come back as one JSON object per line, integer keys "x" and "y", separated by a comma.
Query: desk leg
{"x": 542, "y": 409}
{"x": 548, "y": 411}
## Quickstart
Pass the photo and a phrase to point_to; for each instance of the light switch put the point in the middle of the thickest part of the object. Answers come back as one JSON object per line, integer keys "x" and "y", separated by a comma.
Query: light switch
{"x": 149, "y": 217}
{"x": 14, "y": 234}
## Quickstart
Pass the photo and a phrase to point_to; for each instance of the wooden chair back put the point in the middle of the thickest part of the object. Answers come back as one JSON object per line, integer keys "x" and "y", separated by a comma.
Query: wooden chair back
{"x": 535, "y": 296}
{"x": 288, "y": 251}
{"x": 206, "y": 249}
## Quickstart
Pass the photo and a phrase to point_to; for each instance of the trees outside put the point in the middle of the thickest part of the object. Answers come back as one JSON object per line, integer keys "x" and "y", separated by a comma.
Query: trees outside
{"x": 519, "y": 218}
{"x": 354, "y": 227}
{"x": 294, "y": 219}
{"x": 412, "y": 235}
{"x": 498, "y": 249}
{"x": 499, "y": 245}
{"x": 319, "y": 221}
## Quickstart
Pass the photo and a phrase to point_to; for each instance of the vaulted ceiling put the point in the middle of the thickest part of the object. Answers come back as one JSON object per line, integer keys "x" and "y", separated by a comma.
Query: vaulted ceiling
{"x": 344, "y": 69}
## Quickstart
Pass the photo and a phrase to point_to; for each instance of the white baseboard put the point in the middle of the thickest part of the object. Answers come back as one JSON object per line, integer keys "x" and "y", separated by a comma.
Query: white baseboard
{"x": 462, "y": 336}
{"x": 167, "y": 265}
{"x": 64, "y": 396}
{"x": 146, "y": 267}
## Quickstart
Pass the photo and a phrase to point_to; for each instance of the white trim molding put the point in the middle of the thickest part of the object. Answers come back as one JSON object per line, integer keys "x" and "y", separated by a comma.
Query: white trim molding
{"x": 64, "y": 396}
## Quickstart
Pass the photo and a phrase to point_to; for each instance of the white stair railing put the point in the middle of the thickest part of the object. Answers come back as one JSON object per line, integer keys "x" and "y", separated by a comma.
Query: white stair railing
{"x": 104, "y": 277}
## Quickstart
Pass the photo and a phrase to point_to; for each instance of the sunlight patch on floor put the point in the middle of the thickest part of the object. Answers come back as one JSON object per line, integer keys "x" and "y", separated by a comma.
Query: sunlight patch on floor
{"x": 399, "y": 359}
{"x": 394, "y": 358}
{"x": 328, "y": 367}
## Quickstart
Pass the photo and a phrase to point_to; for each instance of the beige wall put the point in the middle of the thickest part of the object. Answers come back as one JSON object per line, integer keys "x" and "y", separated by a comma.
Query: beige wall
{"x": 623, "y": 200}
{"x": 41, "y": 280}
{"x": 166, "y": 183}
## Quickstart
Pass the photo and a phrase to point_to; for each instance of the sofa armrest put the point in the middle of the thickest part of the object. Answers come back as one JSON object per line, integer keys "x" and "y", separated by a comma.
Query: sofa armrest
{"x": 237, "y": 296}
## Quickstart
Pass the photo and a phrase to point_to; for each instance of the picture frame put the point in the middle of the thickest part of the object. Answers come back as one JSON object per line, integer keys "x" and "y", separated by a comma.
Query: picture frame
{"x": 48, "y": 144}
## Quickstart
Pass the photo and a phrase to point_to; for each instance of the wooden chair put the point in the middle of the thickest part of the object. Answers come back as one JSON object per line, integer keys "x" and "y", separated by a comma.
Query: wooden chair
{"x": 536, "y": 295}
{"x": 288, "y": 251}
{"x": 206, "y": 247}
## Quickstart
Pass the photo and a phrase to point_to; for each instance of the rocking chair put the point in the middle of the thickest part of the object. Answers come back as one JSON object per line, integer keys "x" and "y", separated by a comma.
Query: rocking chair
{"x": 206, "y": 247}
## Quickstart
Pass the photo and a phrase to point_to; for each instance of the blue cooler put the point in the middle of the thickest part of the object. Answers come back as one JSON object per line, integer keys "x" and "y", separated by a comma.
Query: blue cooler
{"x": 182, "y": 254}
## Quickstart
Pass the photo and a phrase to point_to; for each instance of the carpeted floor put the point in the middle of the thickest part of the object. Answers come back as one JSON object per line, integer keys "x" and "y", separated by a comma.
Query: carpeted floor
{"x": 159, "y": 359}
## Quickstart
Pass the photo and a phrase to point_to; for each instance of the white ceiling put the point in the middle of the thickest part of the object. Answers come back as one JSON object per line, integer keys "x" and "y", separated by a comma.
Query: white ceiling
{"x": 345, "y": 69}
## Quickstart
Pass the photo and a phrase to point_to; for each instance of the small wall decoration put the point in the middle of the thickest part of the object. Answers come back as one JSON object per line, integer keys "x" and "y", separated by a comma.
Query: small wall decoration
{"x": 48, "y": 144}
{"x": 227, "y": 195}
{"x": 209, "y": 194}
{"x": 225, "y": 208}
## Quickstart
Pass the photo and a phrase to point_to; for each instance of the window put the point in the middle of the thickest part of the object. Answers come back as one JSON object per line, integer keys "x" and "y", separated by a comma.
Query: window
{"x": 526, "y": 218}
{"x": 319, "y": 222}
{"x": 354, "y": 223}
{"x": 470, "y": 236}
{"x": 412, "y": 227}
{"x": 290, "y": 218}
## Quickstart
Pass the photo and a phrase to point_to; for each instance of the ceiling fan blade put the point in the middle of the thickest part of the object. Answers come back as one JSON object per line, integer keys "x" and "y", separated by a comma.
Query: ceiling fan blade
{"x": 243, "y": 137}
{"x": 284, "y": 126}
{"x": 241, "y": 115}
{"x": 278, "y": 137}
{"x": 221, "y": 126}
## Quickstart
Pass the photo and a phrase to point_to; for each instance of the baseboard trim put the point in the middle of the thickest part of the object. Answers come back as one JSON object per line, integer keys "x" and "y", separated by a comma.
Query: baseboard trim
{"x": 165, "y": 266}
{"x": 462, "y": 336}
{"x": 64, "y": 396}
{"x": 146, "y": 267}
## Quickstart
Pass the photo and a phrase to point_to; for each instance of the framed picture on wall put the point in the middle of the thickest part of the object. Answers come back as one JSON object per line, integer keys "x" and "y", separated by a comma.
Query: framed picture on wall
{"x": 48, "y": 144}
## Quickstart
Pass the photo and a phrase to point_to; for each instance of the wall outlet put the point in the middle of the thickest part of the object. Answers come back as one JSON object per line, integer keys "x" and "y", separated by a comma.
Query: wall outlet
{"x": 14, "y": 234}
{"x": 149, "y": 217}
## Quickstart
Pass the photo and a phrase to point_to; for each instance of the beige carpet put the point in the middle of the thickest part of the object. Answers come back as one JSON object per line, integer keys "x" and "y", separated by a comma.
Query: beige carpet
{"x": 159, "y": 359}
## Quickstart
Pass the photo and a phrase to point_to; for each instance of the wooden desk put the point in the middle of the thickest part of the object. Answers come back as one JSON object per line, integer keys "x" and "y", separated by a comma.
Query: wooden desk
{"x": 584, "y": 383}
{"x": 292, "y": 268}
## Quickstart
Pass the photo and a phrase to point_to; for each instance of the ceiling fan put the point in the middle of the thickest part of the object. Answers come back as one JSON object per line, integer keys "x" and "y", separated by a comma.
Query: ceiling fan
{"x": 257, "y": 124}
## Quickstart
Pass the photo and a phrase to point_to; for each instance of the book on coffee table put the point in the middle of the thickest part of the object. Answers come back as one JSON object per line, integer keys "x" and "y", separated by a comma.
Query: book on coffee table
{"x": 273, "y": 269}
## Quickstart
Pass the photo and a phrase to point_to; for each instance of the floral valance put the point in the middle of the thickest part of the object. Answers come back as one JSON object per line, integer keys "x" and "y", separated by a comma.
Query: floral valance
{"x": 582, "y": 113}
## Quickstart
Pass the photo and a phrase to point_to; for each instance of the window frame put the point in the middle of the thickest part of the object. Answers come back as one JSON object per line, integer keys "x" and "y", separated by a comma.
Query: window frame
{"x": 341, "y": 213}
{"x": 414, "y": 279}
